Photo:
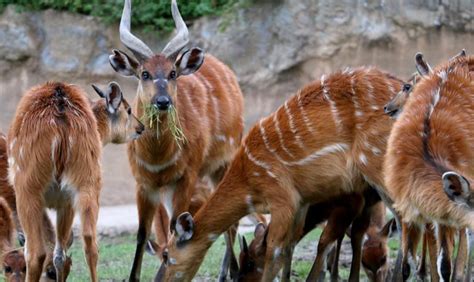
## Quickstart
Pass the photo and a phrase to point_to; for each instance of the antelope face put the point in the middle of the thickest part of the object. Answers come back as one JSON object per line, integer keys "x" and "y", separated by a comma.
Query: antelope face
{"x": 375, "y": 254}
{"x": 252, "y": 258}
{"x": 116, "y": 121}
{"x": 157, "y": 73}
{"x": 14, "y": 266}
{"x": 395, "y": 106}
{"x": 179, "y": 261}
{"x": 50, "y": 271}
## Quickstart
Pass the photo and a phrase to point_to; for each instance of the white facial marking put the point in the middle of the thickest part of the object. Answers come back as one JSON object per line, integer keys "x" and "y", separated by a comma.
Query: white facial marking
{"x": 221, "y": 138}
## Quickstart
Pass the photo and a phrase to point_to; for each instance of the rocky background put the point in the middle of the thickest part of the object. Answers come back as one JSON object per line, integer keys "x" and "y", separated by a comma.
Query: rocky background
{"x": 273, "y": 46}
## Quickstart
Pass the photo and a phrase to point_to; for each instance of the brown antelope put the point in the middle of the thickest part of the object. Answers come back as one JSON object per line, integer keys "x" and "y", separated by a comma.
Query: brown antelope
{"x": 339, "y": 214}
{"x": 325, "y": 141}
{"x": 411, "y": 233}
{"x": 54, "y": 161}
{"x": 14, "y": 260}
{"x": 205, "y": 94}
{"x": 431, "y": 146}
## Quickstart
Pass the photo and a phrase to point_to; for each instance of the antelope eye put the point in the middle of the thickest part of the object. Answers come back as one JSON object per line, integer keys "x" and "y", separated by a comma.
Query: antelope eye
{"x": 8, "y": 269}
{"x": 146, "y": 75}
{"x": 129, "y": 111}
{"x": 172, "y": 75}
{"x": 406, "y": 87}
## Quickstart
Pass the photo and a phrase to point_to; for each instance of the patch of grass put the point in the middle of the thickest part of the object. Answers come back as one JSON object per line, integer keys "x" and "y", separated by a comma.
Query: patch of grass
{"x": 116, "y": 256}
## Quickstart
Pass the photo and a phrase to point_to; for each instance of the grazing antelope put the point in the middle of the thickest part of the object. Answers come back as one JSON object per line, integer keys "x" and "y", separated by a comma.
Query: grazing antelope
{"x": 54, "y": 161}
{"x": 431, "y": 145}
{"x": 325, "y": 141}
{"x": 339, "y": 214}
{"x": 13, "y": 265}
{"x": 205, "y": 94}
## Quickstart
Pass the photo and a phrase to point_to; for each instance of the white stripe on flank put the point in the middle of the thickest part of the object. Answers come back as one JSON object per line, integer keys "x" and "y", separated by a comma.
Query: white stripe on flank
{"x": 280, "y": 135}
{"x": 159, "y": 167}
{"x": 355, "y": 100}
{"x": 261, "y": 164}
{"x": 332, "y": 105}
{"x": 217, "y": 113}
{"x": 292, "y": 126}
{"x": 307, "y": 121}
{"x": 370, "y": 93}
{"x": 391, "y": 88}
{"x": 267, "y": 144}
{"x": 338, "y": 147}
{"x": 435, "y": 100}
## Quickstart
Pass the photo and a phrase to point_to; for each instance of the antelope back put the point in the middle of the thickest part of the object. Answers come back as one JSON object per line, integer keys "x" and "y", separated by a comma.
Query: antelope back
{"x": 431, "y": 145}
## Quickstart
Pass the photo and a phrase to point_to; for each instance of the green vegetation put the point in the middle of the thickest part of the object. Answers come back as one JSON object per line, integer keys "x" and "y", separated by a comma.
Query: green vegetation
{"x": 152, "y": 15}
{"x": 116, "y": 256}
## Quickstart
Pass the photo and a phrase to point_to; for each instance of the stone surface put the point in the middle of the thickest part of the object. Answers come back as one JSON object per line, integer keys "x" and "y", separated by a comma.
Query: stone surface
{"x": 273, "y": 46}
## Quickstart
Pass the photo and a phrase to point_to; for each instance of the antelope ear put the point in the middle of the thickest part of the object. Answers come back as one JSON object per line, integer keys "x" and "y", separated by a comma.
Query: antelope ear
{"x": 190, "y": 61}
{"x": 456, "y": 187}
{"x": 151, "y": 247}
{"x": 422, "y": 66}
{"x": 389, "y": 229}
{"x": 113, "y": 97}
{"x": 184, "y": 227}
{"x": 98, "y": 91}
{"x": 123, "y": 64}
{"x": 244, "y": 248}
{"x": 260, "y": 230}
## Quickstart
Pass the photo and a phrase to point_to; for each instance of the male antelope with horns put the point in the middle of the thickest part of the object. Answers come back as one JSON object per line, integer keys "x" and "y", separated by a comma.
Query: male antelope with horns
{"x": 205, "y": 94}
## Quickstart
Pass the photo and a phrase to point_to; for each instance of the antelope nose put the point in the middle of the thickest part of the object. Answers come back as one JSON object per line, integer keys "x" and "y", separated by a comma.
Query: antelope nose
{"x": 162, "y": 103}
{"x": 140, "y": 128}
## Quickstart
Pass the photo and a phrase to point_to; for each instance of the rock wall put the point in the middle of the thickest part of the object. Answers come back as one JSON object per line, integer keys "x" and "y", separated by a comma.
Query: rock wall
{"x": 273, "y": 46}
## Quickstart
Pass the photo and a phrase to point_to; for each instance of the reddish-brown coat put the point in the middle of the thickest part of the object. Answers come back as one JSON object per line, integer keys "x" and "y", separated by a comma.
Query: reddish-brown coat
{"x": 419, "y": 195}
{"x": 346, "y": 145}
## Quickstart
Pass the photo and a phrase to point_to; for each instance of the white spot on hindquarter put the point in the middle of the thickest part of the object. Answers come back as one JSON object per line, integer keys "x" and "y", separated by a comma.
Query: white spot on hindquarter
{"x": 332, "y": 105}
{"x": 179, "y": 274}
{"x": 280, "y": 135}
{"x": 292, "y": 126}
{"x": 231, "y": 141}
{"x": 159, "y": 167}
{"x": 256, "y": 174}
{"x": 172, "y": 261}
{"x": 21, "y": 153}
{"x": 363, "y": 158}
